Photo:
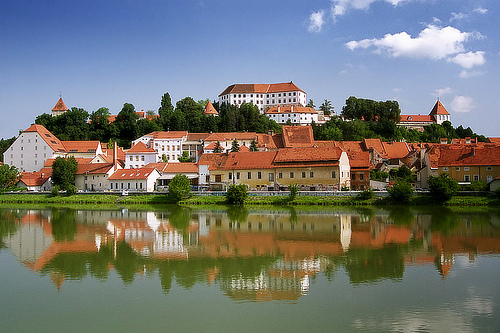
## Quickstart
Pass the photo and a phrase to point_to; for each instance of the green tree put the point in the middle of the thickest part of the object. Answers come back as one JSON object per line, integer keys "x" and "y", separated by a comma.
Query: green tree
{"x": 237, "y": 194}
{"x": 218, "y": 148}
{"x": 4, "y": 145}
{"x": 326, "y": 107}
{"x": 8, "y": 176}
{"x": 99, "y": 127}
{"x": 63, "y": 173}
{"x": 165, "y": 111}
{"x": 184, "y": 157}
{"x": 126, "y": 122}
{"x": 179, "y": 188}
{"x": 192, "y": 112}
{"x": 253, "y": 145}
{"x": 235, "y": 146}
{"x": 310, "y": 104}
{"x": 400, "y": 192}
{"x": 442, "y": 187}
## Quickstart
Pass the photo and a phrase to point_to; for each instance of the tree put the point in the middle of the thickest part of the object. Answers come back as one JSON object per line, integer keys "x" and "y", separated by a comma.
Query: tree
{"x": 184, "y": 157}
{"x": 165, "y": 111}
{"x": 8, "y": 176}
{"x": 235, "y": 146}
{"x": 310, "y": 104}
{"x": 179, "y": 187}
{"x": 401, "y": 191}
{"x": 192, "y": 113}
{"x": 253, "y": 145}
{"x": 63, "y": 173}
{"x": 126, "y": 122}
{"x": 237, "y": 194}
{"x": 442, "y": 187}
{"x": 218, "y": 148}
{"x": 100, "y": 128}
{"x": 326, "y": 107}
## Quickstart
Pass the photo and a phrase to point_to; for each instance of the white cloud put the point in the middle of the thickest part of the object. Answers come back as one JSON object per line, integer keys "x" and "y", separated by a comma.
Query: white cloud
{"x": 467, "y": 74}
{"x": 316, "y": 21}
{"x": 480, "y": 10}
{"x": 341, "y": 7}
{"x": 462, "y": 104}
{"x": 432, "y": 42}
{"x": 469, "y": 59}
{"x": 442, "y": 92}
{"x": 458, "y": 16}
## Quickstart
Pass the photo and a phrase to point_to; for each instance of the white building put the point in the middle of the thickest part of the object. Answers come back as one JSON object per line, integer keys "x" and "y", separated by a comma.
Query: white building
{"x": 168, "y": 145}
{"x": 296, "y": 115}
{"x": 264, "y": 95}
{"x": 140, "y": 180}
{"x": 139, "y": 155}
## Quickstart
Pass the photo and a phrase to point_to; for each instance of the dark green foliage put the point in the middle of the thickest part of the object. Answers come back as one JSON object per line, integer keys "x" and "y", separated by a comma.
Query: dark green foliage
{"x": 400, "y": 192}
{"x": 378, "y": 175}
{"x": 367, "y": 109}
{"x": 179, "y": 188}
{"x": 365, "y": 195}
{"x": 402, "y": 173}
{"x": 218, "y": 148}
{"x": 253, "y": 145}
{"x": 237, "y": 194}
{"x": 4, "y": 145}
{"x": 63, "y": 172}
{"x": 184, "y": 157}
{"x": 126, "y": 123}
{"x": 442, "y": 187}
{"x": 478, "y": 185}
{"x": 326, "y": 107}
{"x": 294, "y": 191}
{"x": 235, "y": 146}
{"x": 8, "y": 176}
{"x": 55, "y": 191}
{"x": 497, "y": 193}
{"x": 71, "y": 125}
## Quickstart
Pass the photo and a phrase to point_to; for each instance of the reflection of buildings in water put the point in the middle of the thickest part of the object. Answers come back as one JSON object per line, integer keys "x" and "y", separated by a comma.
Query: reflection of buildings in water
{"x": 282, "y": 281}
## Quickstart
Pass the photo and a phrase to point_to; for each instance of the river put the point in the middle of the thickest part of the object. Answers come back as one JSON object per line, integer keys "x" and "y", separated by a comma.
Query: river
{"x": 254, "y": 269}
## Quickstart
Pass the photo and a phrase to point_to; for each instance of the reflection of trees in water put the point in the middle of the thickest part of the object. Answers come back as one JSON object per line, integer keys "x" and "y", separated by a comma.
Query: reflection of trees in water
{"x": 237, "y": 213}
{"x": 401, "y": 215}
{"x": 180, "y": 217}
{"x": 7, "y": 224}
{"x": 63, "y": 224}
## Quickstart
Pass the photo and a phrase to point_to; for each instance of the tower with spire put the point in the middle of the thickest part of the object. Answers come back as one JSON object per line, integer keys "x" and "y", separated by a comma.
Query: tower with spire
{"x": 59, "y": 108}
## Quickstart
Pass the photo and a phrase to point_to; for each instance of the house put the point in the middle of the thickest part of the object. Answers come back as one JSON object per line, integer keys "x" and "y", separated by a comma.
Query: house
{"x": 438, "y": 115}
{"x": 311, "y": 168}
{"x": 190, "y": 170}
{"x": 140, "y": 180}
{"x": 139, "y": 155}
{"x": 82, "y": 149}
{"x": 36, "y": 181}
{"x": 226, "y": 139}
{"x": 463, "y": 163}
{"x": 94, "y": 176}
{"x": 194, "y": 145}
{"x": 168, "y": 145}
{"x": 296, "y": 115}
{"x": 359, "y": 160}
{"x": 264, "y": 95}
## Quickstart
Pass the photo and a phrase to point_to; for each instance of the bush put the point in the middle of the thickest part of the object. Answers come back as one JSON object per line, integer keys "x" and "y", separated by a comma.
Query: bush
{"x": 179, "y": 188}
{"x": 365, "y": 195}
{"x": 442, "y": 188}
{"x": 497, "y": 192}
{"x": 478, "y": 185}
{"x": 55, "y": 191}
{"x": 237, "y": 194}
{"x": 294, "y": 191}
{"x": 400, "y": 192}
{"x": 70, "y": 190}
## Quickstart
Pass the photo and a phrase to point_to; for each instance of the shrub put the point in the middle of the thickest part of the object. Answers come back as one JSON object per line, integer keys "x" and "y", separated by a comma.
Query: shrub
{"x": 55, "y": 191}
{"x": 497, "y": 192}
{"x": 70, "y": 190}
{"x": 442, "y": 188}
{"x": 178, "y": 188}
{"x": 478, "y": 185}
{"x": 400, "y": 192}
{"x": 237, "y": 194}
{"x": 365, "y": 195}
{"x": 294, "y": 191}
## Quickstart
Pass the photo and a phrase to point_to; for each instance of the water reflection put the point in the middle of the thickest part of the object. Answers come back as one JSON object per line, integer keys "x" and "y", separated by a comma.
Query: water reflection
{"x": 259, "y": 255}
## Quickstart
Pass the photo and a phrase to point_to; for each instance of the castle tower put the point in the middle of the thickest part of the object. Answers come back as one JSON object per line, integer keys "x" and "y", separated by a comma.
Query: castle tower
{"x": 59, "y": 108}
{"x": 439, "y": 113}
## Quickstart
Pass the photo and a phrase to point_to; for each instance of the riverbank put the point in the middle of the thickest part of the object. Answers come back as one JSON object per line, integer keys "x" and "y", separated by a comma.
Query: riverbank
{"x": 252, "y": 200}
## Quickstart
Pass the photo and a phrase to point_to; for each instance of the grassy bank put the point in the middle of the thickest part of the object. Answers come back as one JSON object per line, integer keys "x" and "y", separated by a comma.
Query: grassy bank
{"x": 111, "y": 199}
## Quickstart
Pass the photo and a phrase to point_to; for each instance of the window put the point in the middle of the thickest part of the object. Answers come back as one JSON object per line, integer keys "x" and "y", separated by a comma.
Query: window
{"x": 142, "y": 158}
{"x": 489, "y": 179}
{"x": 271, "y": 177}
{"x": 466, "y": 168}
{"x": 230, "y": 175}
{"x": 291, "y": 175}
{"x": 466, "y": 178}
{"x": 488, "y": 168}
{"x": 361, "y": 176}
{"x": 303, "y": 174}
{"x": 445, "y": 169}
{"x": 218, "y": 178}
{"x": 476, "y": 177}
{"x": 280, "y": 175}
{"x": 311, "y": 174}
{"x": 333, "y": 174}
{"x": 259, "y": 175}
{"x": 249, "y": 175}
{"x": 457, "y": 168}
{"x": 353, "y": 176}
{"x": 237, "y": 175}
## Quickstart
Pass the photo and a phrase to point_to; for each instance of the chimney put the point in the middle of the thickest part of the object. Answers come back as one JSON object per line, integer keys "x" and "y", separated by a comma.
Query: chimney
{"x": 115, "y": 154}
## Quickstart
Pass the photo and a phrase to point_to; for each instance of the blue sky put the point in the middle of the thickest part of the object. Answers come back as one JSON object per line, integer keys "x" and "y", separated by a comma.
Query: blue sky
{"x": 110, "y": 52}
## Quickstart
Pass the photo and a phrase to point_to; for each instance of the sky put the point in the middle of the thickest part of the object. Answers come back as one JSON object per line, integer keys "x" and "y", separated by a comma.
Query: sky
{"x": 105, "y": 53}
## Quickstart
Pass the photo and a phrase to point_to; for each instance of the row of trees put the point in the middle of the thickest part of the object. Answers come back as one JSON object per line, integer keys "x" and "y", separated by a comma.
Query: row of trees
{"x": 78, "y": 124}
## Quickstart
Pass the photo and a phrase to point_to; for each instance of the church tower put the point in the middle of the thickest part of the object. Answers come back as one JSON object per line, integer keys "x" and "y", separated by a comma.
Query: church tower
{"x": 59, "y": 108}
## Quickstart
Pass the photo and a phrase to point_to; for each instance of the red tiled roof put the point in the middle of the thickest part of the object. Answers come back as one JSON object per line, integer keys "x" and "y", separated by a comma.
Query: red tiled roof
{"x": 438, "y": 109}
{"x": 290, "y": 109}
{"x": 140, "y": 148}
{"x": 297, "y": 136}
{"x": 211, "y": 146}
{"x": 161, "y": 166}
{"x": 260, "y": 88}
{"x": 416, "y": 118}
{"x": 265, "y": 141}
{"x": 250, "y": 160}
{"x": 181, "y": 168}
{"x": 197, "y": 136}
{"x": 494, "y": 140}
{"x": 209, "y": 109}
{"x": 81, "y": 146}
{"x": 244, "y": 148}
{"x": 375, "y": 144}
{"x": 131, "y": 174}
{"x": 94, "y": 168}
{"x": 54, "y": 143}
{"x": 299, "y": 155}
{"x": 214, "y": 160}
{"x": 168, "y": 134}
{"x": 35, "y": 178}
{"x": 396, "y": 149}
{"x": 60, "y": 106}
{"x": 486, "y": 155}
